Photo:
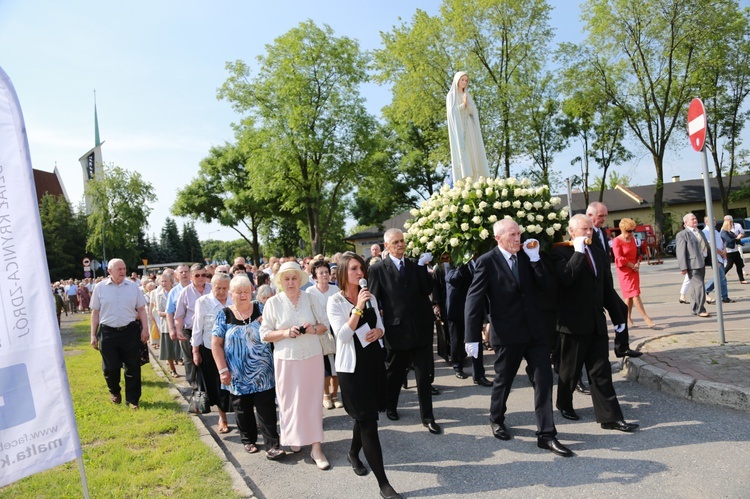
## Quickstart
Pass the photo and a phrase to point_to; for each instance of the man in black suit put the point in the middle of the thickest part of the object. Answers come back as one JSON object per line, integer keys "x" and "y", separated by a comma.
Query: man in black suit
{"x": 457, "y": 282}
{"x": 597, "y": 213}
{"x": 402, "y": 288}
{"x": 512, "y": 280}
{"x": 585, "y": 291}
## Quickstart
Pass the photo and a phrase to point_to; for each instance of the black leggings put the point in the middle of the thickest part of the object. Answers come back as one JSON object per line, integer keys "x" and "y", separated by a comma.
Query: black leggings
{"x": 365, "y": 436}
{"x": 735, "y": 258}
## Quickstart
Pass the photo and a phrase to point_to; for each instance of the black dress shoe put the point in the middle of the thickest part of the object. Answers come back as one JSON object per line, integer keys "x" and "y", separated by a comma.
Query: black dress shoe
{"x": 387, "y": 492}
{"x": 460, "y": 374}
{"x": 583, "y": 388}
{"x": 620, "y": 426}
{"x": 570, "y": 414}
{"x": 483, "y": 381}
{"x": 434, "y": 390}
{"x": 727, "y": 300}
{"x": 552, "y": 444}
{"x": 391, "y": 414}
{"x": 628, "y": 353}
{"x": 357, "y": 466}
{"x": 433, "y": 427}
{"x": 499, "y": 431}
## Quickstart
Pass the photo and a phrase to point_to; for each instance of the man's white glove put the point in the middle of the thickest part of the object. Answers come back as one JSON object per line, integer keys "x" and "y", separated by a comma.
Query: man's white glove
{"x": 531, "y": 248}
{"x": 425, "y": 258}
{"x": 579, "y": 243}
{"x": 619, "y": 328}
{"x": 472, "y": 349}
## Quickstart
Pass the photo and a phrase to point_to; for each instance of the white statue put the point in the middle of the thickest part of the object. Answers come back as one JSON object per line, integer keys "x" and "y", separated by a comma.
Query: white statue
{"x": 468, "y": 158}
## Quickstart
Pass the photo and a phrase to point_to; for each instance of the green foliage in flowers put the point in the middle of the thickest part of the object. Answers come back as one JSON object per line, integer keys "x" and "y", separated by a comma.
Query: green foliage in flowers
{"x": 459, "y": 221}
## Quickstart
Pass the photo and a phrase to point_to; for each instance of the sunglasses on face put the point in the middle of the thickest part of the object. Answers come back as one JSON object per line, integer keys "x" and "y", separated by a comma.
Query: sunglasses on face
{"x": 201, "y": 275}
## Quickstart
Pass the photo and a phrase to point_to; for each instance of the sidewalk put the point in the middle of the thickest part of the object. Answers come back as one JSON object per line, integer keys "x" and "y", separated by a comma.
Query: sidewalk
{"x": 684, "y": 356}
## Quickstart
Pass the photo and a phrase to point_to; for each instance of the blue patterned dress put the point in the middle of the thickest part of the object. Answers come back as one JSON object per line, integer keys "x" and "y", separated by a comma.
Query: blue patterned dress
{"x": 249, "y": 360}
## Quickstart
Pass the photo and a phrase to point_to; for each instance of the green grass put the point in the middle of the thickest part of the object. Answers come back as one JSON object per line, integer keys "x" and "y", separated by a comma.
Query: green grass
{"x": 152, "y": 452}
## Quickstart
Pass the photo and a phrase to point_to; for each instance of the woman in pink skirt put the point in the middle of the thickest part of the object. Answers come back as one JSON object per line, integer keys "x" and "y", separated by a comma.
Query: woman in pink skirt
{"x": 292, "y": 321}
{"x": 628, "y": 263}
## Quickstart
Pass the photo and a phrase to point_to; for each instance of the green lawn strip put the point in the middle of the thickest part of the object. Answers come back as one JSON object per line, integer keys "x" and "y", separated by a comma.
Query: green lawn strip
{"x": 154, "y": 451}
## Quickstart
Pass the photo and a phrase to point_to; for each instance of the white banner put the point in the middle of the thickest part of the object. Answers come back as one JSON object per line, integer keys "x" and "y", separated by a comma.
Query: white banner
{"x": 37, "y": 424}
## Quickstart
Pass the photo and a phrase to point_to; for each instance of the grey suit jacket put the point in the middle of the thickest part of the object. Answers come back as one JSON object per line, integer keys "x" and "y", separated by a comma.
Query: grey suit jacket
{"x": 688, "y": 248}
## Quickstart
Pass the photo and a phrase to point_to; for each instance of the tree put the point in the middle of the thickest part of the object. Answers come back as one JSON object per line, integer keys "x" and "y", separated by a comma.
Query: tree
{"x": 505, "y": 40}
{"x": 170, "y": 243}
{"x": 121, "y": 204}
{"x": 305, "y": 105}
{"x": 724, "y": 79}
{"x": 643, "y": 55}
{"x": 615, "y": 179}
{"x": 64, "y": 234}
{"x": 224, "y": 191}
{"x": 190, "y": 243}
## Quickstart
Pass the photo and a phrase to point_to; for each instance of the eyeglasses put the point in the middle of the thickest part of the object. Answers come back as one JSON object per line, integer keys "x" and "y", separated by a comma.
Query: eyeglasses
{"x": 200, "y": 275}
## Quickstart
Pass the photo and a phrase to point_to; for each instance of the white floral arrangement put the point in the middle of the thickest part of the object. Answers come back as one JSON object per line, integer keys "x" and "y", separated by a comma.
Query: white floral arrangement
{"x": 458, "y": 221}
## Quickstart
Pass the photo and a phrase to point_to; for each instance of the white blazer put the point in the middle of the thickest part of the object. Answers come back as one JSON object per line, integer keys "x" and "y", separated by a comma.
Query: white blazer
{"x": 339, "y": 309}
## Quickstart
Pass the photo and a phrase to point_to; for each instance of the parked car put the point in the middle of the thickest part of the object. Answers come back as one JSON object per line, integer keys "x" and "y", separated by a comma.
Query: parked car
{"x": 671, "y": 248}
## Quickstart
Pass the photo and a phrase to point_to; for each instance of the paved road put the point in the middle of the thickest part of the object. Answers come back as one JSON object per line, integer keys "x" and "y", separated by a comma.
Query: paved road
{"x": 683, "y": 449}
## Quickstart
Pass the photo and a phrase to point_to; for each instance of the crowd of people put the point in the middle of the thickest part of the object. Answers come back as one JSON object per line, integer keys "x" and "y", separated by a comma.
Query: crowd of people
{"x": 291, "y": 339}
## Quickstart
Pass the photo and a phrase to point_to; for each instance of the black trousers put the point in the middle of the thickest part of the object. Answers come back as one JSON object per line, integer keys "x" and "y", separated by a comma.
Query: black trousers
{"x": 187, "y": 357}
{"x": 120, "y": 348}
{"x": 265, "y": 404}
{"x": 396, "y": 364}
{"x": 734, "y": 259}
{"x": 591, "y": 351}
{"x": 216, "y": 395}
{"x": 458, "y": 350}
{"x": 507, "y": 361}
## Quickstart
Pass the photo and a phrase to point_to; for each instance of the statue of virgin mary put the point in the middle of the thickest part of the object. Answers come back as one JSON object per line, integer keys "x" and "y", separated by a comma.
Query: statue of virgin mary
{"x": 468, "y": 157}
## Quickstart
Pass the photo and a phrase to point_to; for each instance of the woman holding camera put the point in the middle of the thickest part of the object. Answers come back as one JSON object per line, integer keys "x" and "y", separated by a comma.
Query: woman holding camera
{"x": 292, "y": 321}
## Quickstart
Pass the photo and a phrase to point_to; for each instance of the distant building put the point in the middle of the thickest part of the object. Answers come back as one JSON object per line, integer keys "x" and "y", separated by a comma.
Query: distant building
{"x": 635, "y": 202}
{"x": 49, "y": 182}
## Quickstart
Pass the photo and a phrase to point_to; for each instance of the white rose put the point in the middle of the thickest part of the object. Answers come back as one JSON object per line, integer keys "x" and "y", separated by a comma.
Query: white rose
{"x": 525, "y": 182}
{"x": 466, "y": 208}
{"x": 479, "y": 193}
{"x": 454, "y": 242}
{"x": 497, "y": 205}
{"x": 516, "y": 204}
{"x": 546, "y": 205}
{"x": 489, "y": 190}
{"x": 438, "y": 239}
{"x": 482, "y": 205}
{"x": 556, "y": 227}
{"x": 430, "y": 246}
{"x": 484, "y": 234}
{"x": 465, "y": 194}
{"x": 540, "y": 190}
{"x": 511, "y": 181}
{"x": 504, "y": 193}
{"x": 414, "y": 212}
{"x": 410, "y": 245}
{"x": 537, "y": 205}
{"x": 552, "y": 216}
{"x": 407, "y": 225}
{"x": 531, "y": 217}
{"x": 492, "y": 219}
{"x": 540, "y": 218}
{"x": 527, "y": 205}
{"x": 506, "y": 204}
{"x": 563, "y": 213}
{"x": 501, "y": 182}
{"x": 521, "y": 229}
{"x": 550, "y": 231}
{"x": 423, "y": 239}
{"x": 477, "y": 220}
{"x": 520, "y": 214}
{"x": 464, "y": 226}
{"x": 555, "y": 200}
{"x": 517, "y": 193}
{"x": 454, "y": 209}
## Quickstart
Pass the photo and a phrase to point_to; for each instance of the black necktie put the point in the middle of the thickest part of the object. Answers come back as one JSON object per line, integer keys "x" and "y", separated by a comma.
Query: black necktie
{"x": 590, "y": 259}
{"x": 401, "y": 269}
{"x": 514, "y": 267}
{"x": 600, "y": 237}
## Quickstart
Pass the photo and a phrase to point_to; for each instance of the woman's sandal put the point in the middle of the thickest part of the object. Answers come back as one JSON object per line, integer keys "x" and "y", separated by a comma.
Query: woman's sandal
{"x": 174, "y": 374}
{"x": 223, "y": 428}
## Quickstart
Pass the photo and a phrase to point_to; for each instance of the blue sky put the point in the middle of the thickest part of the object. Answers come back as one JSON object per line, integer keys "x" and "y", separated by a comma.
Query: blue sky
{"x": 156, "y": 66}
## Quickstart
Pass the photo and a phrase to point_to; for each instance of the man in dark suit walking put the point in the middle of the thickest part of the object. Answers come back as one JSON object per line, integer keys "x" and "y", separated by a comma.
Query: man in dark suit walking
{"x": 585, "y": 291}
{"x": 691, "y": 247}
{"x": 457, "y": 282}
{"x": 512, "y": 281}
{"x": 402, "y": 288}
{"x": 597, "y": 213}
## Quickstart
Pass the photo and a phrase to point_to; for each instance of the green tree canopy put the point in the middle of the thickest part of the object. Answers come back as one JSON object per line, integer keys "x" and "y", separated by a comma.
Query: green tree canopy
{"x": 64, "y": 233}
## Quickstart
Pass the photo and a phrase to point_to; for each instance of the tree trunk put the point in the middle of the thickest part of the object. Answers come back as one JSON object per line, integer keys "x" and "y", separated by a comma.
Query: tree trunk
{"x": 659, "y": 198}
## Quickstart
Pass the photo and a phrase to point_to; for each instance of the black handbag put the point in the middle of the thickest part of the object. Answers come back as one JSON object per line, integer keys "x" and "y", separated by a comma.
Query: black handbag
{"x": 144, "y": 354}
{"x": 443, "y": 340}
{"x": 199, "y": 399}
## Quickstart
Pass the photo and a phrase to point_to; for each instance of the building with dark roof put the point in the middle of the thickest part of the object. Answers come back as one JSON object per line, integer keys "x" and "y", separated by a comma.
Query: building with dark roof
{"x": 637, "y": 202}
{"x": 49, "y": 183}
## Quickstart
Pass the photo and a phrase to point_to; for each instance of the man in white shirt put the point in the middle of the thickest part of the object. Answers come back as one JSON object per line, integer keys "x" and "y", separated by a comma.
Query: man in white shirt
{"x": 721, "y": 260}
{"x": 118, "y": 327}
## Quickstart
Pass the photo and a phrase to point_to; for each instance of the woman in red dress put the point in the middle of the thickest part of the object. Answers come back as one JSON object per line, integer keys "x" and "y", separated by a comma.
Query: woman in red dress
{"x": 627, "y": 262}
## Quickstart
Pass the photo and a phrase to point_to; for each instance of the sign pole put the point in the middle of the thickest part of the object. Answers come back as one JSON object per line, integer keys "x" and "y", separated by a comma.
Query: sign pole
{"x": 711, "y": 226}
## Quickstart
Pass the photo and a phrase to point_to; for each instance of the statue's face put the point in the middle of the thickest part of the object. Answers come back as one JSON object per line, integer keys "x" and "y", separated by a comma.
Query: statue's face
{"x": 463, "y": 82}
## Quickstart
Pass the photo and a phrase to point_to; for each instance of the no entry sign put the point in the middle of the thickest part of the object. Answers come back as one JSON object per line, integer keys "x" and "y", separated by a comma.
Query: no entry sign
{"x": 697, "y": 124}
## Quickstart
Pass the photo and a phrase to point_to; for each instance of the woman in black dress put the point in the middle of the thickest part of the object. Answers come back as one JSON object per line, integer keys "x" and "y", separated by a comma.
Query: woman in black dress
{"x": 358, "y": 327}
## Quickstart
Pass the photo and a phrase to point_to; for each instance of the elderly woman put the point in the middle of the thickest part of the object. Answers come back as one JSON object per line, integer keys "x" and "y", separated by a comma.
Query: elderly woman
{"x": 359, "y": 363}
{"x": 206, "y": 309}
{"x": 732, "y": 244}
{"x": 292, "y": 321}
{"x": 245, "y": 367}
{"x": 322, "y": 290}
{"x": 628, "y": 262}
{"x": 169, "y": 349}
{"x": 264, "y": 293}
